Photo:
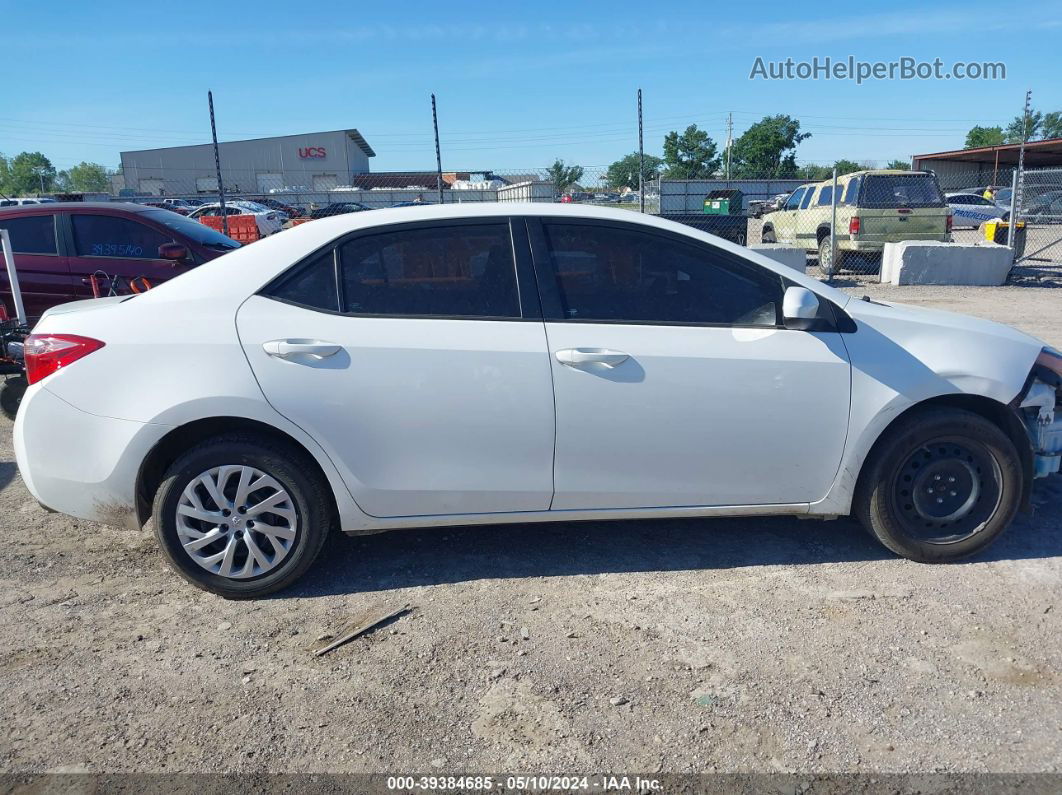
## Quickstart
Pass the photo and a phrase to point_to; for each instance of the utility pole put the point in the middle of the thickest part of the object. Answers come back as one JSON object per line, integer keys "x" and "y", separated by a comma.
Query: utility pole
{"x": 1019, "y": 183}
{"x": 641, "y": 157}
{"x": 217, "y": 166}
{"x": 729, "y": 141}
{"x": 438, "y": 154}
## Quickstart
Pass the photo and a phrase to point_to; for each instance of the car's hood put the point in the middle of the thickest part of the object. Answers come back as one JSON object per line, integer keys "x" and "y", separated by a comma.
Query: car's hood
{"x": 924, "y": 318}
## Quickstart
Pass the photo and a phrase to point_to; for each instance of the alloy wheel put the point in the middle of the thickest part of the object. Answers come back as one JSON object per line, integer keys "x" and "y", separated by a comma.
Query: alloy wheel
{"x": 236, "y": 521}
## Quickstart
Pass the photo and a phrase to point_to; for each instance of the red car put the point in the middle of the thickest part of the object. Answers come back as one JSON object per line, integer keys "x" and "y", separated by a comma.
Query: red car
{"x": 62, "y": 250}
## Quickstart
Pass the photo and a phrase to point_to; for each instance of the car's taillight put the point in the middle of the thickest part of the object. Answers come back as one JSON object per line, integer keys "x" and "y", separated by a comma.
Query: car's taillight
{"x": 46, "y": 353}
{"x": 950, "y": 221}
{"x": 853, "y": 225}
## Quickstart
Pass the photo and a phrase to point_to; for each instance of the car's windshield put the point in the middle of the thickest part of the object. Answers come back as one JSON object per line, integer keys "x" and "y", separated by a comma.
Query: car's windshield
{"x": 900, "y": 190}
{"x": 200, "y": 233}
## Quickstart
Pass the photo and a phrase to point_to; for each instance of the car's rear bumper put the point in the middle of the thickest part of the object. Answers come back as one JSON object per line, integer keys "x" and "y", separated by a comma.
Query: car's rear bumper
{"x": 78, "y": 463}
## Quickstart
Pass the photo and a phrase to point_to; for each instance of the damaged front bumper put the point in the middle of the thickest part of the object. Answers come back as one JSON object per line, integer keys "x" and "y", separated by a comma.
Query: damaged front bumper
{"x": 1041, "y": 411}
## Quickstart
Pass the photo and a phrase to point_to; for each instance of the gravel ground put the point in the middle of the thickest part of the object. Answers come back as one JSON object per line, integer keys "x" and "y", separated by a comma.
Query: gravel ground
{"x": 667, "y": 646}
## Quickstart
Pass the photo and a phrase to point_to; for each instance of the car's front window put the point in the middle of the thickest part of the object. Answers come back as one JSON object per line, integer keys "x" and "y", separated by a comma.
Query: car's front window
{"x": 189, "y": 228}
{"x": 794, "y": 200}
{"x": 616, "y": 274}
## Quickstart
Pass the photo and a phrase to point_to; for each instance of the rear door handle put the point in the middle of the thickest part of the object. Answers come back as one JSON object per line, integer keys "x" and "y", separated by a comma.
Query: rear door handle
{"x": 577, "y": 357}
{"x": 285, "y": 349}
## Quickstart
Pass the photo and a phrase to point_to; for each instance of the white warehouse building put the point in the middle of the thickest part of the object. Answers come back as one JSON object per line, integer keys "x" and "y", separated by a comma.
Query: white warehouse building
{"x": 315, "y": 162}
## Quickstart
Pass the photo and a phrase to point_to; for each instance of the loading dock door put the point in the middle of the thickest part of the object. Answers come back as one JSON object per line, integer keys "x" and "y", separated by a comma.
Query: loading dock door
{"x": 269, "y": 182}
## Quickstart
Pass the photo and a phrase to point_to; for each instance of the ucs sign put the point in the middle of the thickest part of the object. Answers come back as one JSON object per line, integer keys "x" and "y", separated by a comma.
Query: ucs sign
{"x": 306, "y": 152}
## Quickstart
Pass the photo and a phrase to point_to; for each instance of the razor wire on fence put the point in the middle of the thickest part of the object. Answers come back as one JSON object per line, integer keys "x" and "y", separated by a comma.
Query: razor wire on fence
{"x": 842, "y": 226}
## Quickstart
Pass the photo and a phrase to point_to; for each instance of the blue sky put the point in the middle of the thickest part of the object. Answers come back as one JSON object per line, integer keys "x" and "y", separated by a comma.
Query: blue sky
{"x": 518, "y": 84}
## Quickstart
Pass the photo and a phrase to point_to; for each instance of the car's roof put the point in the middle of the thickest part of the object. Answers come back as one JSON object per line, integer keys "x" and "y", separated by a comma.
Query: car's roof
{"x": 246, "y": 270}
{"x": 126, "y": 206}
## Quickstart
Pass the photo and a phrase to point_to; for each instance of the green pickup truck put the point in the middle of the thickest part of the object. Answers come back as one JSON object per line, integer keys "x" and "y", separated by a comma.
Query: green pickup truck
{"x": 873, "y": 208}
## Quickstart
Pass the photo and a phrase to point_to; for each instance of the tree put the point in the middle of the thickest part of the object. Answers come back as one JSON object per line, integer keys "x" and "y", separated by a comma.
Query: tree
{"x": 984, "y": 136}
{"x": 624, "y": 172}
{"x": 901, "y": 165}
{"x": 767, "y": 149}
{"x": 5, "y": 174}
{"x": 846, "y": 167}
{"x": 1027, "y": 126}
{"x": 29, "y": 173}
{"x": 562, "y": 176}
{"x": 1052, "y": 125}
{"x": 88, "y": 178}
{"x": 691, "y": 155}
{"x": 813, "y": 173}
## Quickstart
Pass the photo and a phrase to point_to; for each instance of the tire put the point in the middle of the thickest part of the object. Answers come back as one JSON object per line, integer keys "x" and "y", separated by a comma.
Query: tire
{"x": 826, "y": 265}
{"x": 11, "y": 392}
{"x": 943, "y": 485}
{"x": 298, "y": 521}
{"x": 767, "y": 236}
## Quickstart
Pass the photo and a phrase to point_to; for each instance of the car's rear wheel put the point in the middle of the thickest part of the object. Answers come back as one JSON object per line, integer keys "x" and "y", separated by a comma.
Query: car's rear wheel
{"x": 241, "y": 516}
{"x": 767, "y": 236}
{"x": 943, "y": 485}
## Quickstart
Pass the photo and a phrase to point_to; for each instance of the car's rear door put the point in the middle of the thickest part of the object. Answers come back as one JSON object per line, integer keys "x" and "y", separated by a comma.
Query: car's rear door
{"x": 43, "y": 272}
{"x": 675, "y": 383}
{"x": 422, "y": 369}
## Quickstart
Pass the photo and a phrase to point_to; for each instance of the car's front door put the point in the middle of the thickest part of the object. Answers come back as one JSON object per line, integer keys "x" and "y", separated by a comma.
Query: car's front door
{"x": 784, "y": 221}
{"x": 422, "y": 369}
{"x": 674, "y": 381}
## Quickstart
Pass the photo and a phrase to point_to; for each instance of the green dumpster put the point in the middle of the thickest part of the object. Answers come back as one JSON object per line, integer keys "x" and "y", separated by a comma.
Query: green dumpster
{"x": 726, "y": 201}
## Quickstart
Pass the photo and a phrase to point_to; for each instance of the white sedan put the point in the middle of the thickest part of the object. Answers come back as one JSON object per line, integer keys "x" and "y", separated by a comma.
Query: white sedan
{"x": 269, "y": 221}
{"x": 971, "y": 210}
{"x": 469, "y": 364}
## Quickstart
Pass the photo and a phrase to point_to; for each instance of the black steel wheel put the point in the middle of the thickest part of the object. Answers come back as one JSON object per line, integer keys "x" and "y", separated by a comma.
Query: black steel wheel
{"x": 942, "y": 485}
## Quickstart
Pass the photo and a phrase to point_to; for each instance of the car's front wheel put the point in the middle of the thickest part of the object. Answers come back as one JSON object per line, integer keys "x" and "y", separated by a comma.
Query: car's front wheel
{"x": 242, "y": 516}
{"x": 942, "y": 485}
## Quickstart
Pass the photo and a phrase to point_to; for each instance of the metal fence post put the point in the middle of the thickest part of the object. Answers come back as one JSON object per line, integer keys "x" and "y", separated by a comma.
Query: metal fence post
{"x": 12, "y": 277}
{"x": 833, "y": 226}
{"x": 1011, "y": 239}
{"x": 438, "y": 153}
{"x": 641, "y": 157}
{"x": 217, "y": 166}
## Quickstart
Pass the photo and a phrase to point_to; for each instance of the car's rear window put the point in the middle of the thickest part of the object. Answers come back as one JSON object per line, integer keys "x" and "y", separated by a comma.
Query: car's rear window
{"x": 900, "y": 190}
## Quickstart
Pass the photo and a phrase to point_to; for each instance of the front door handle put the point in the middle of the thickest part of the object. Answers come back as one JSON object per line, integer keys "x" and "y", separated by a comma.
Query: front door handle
{"x": 577, "y": 357}
{"x": 285, "y": 349}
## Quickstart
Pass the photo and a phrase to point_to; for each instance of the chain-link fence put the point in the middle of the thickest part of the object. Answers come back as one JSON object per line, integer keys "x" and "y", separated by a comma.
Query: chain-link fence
{"x": 841, "y": 224}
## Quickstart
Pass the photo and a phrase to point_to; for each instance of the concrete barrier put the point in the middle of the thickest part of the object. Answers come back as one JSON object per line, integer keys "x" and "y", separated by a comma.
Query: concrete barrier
{"x": 929, "y": 262}
{"x": 795, "y": 258}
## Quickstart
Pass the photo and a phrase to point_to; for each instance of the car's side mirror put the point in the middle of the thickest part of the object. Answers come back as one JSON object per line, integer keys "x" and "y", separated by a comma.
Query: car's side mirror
{"x": 173, "y": 251}
{"x": 800, "y": 309}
